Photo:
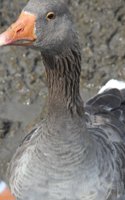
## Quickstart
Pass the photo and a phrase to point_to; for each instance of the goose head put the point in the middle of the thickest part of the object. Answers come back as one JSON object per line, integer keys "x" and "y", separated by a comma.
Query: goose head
{"x": 44, "y": 25}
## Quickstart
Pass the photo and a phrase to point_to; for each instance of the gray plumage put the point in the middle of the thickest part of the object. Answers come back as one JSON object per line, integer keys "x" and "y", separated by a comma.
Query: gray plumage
{"x": 77, "y": 152}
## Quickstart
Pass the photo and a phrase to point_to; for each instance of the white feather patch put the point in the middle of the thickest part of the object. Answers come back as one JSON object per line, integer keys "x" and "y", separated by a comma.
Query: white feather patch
{"x": 3, "y": 186}
{"x": 112, "y": 84}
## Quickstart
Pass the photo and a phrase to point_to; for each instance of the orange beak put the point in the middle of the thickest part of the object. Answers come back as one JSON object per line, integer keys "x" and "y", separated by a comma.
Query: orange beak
{"x": 21, "y": 33}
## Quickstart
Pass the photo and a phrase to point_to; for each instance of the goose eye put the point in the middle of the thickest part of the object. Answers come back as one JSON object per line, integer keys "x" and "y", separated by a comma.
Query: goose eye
{"x": 50, "y": 15}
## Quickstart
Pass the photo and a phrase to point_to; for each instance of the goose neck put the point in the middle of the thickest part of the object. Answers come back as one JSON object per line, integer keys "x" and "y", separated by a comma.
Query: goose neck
{"x": 63, "y": 78}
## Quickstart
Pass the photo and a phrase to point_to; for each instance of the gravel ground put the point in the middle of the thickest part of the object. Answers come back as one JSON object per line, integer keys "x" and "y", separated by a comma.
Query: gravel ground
{"x": 101, "y": 25}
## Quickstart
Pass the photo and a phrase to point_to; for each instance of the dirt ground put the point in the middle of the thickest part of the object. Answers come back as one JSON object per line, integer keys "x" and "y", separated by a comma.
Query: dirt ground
{"x": 101, "y": 26}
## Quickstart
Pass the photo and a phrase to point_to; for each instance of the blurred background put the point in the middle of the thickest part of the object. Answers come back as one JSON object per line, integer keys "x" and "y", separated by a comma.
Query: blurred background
{"x": 23, "y": 87}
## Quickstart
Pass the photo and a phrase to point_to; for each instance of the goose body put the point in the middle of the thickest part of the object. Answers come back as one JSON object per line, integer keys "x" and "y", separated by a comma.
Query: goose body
{"x": 77, "y": 152}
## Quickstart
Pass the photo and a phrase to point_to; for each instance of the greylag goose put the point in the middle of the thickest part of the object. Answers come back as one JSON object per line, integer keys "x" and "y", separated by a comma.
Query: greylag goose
{"x": 77, "y": 152}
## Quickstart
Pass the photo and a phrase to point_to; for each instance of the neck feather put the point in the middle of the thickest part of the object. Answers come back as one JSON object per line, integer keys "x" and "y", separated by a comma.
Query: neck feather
{"x": 65, "y": 120}
{"x": 63, "y": 77}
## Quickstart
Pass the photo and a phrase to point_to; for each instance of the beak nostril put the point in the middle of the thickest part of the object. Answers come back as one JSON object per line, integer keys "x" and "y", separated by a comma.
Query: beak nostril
{"x": 20, "y": 30}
